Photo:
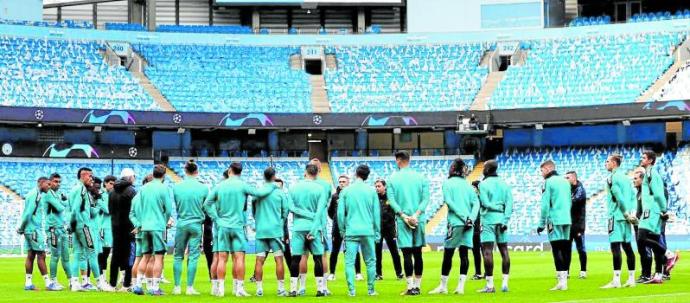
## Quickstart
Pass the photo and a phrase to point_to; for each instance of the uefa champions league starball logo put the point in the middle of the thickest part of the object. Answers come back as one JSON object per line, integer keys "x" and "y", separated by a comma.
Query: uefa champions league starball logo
{"x": 38, "y": 114}
{"x": 132, "y": 152}
{"x": 177, "y": 118}
{"x": 317, "y": 119}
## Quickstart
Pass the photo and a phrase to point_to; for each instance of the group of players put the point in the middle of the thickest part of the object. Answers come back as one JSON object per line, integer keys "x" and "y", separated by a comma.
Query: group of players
{"x": 80, "y": 232}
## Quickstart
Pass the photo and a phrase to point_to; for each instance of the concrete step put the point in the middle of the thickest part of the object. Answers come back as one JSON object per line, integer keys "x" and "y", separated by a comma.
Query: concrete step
{"x": 319, "y": 95}
{"x": 660, "y": 82}
{"x": 157, "y": 96}
{"x": 492, "y": 81}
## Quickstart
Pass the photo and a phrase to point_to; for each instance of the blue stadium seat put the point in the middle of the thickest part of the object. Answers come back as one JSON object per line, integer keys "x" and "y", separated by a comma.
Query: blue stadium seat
{"x": 69, "y": 74}
{"x": 211, "y": 78}
{"x": 405, "y": 78}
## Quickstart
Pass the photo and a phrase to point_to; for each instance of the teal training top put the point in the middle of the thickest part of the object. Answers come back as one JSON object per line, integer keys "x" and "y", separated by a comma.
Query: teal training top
{"x": 190, "y": 195}
{"x": 226, "y": 202}
{"x": 359, "y": 213}
{"x": 156, "y": 206}
{"x": 308, "y": 205}
{"x": 555, "y": 201}
{"x": 496, "y": 199}
{"x": 619, "y": 192}
{"x": 408, "y": 192}
{"x": 461, "y": 200}
{"x": 270, "y": 214}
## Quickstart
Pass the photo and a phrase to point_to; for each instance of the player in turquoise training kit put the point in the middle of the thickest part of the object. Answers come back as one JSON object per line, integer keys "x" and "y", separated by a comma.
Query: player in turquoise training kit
{"x": 156, "y": 208}
{"x": 189, "y": 195}
{"x": 653, "y": 212}
{"x": 408, "y": 195}
{"x": 496, "y": 200}
{"x": 83, "y": 212}
{"x": 58, "y": 240}
{"x": 359, "y": 219}
{"x": 270, "y": 214}
{"x": 226, "y": 205}
{"x": 31, "y": 228}
{"x": 463, "y": 206}
{"x": 308, "y": 207}
{"x": 621, "y": 209}
{"x": 324, "y": 237}
{"x": 134, "y": 217}
{"x": 555, "y": 218}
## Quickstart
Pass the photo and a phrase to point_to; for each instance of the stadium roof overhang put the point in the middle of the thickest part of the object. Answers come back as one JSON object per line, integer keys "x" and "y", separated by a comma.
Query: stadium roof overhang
{"x": 61, "y": 3}
{"x": 652, "y": 111}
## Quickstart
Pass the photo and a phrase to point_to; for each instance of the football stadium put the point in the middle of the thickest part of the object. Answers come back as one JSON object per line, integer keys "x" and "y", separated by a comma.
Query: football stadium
{"x": 338, "y": 150}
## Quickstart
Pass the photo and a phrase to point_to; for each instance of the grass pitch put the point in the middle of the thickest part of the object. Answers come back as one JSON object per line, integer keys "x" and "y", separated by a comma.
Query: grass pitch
{"x": 532, "y": 274}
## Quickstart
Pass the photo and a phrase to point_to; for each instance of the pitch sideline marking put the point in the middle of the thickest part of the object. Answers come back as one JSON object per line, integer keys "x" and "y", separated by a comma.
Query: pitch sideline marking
{"x": 619, "y": 298}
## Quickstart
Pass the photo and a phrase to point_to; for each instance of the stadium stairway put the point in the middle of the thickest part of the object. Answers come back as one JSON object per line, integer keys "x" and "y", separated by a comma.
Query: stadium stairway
{"x": 482, "y": 98}
{"x": 319, "y": 96}
{"x": 680, "y": 58}
{"x": 296, "y": 62}
{"x": 154, "y": 92}
{"x": 327, "y": 175}
{"x": 11, "y": 193}
{"x": 571, "y": 9}
{"x": 173, "y": 175}
{"x": 442, "y": 212}
{"x": 331, "y": 62}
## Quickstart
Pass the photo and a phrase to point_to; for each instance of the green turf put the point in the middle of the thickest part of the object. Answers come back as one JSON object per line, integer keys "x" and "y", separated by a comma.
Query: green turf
{"x": 532, "y": 275}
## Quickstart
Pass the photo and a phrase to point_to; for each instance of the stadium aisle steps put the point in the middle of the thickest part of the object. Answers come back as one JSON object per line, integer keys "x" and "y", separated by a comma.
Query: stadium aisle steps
{"x": 327, "y": 175}
{"x": 666, "y": 77}
{"x": 488, "y": 88}
{"x": 15, "y": 196}
{"x": 154, "y": 92}
{"x": 442, "y": 212}
{"x": 319, "y": 96}
{"x": 173, "y": 175}
{"x": 331, "y": 62}
{"x": 296, "y": 62}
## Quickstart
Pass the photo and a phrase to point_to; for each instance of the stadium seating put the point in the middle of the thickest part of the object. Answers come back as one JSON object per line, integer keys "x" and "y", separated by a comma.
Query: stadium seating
{"x": 405, "y": 78}
{"x": 10, "y": 217}
{"x": 435, "y": 168}
{"x": 585, "y": 21}
{"x": 290, "y": 170}
{"x": 520, "y": 168}
{"x": 586, "y": 71}
{"x": 674, "y": 168}
{"x": 20, "y": 175}
{"x": 216, "y": 29}
{"x": 67, "y": 74}
{"x": 658, "y": 16}
{"x": 65, "y": 24}
{"x": 135, "y": 27}
{"x": 678, "y": 88}
{"x": 205, "y": 78}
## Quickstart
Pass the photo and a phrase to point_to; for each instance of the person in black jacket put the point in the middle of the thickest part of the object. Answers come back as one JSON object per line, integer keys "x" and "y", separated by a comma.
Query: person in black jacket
{"x": 578, "y": 215}
{"x": 119, "y": 204}
{"x": 388, "y": 233}
{"x": 343, "y": 181}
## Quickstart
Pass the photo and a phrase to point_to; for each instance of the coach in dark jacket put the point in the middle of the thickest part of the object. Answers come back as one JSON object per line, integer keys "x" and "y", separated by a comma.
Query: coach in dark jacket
{"x": 388, "y": 232}
{"x": 119, "y": 204}
{"x": 578, "y": 215}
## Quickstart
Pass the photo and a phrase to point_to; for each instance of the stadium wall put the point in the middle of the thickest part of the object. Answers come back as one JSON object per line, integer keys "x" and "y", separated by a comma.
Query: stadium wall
{"x": 686, "y": 131}
{"x": 429, "y": 16}
{"x": 292, "y": 40}
{"x": 610, "y": 134}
